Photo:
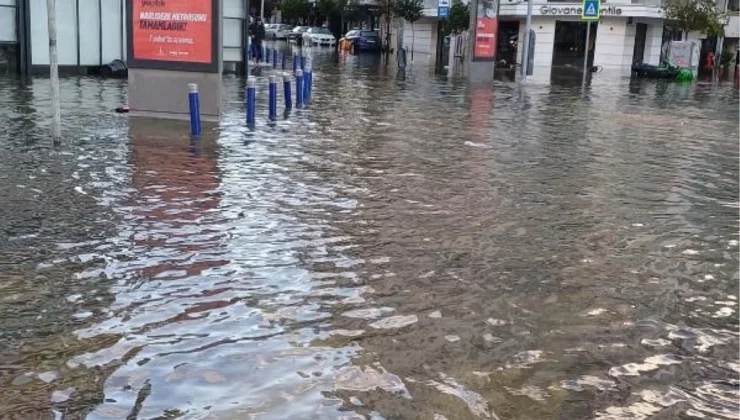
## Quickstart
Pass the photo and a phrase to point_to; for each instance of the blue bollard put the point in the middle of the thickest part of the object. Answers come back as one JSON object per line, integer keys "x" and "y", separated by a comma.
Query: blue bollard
{"x": 286, "y": 89}
{"x": 299, "y": 89}
{"x": 295, "y": 63}
{"x": 284, "y": 61}
{"x": 307, "y": 74}
{"x": 273, "y": 98}
{"x": 303, "y": 62}
{"x": 194, "y": 103}
{"x": 275, "y": 57}
{"x": 251, "y": 96}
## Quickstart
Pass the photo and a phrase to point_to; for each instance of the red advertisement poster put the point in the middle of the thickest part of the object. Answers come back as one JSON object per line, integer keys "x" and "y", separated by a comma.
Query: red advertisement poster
{"x": 173, "y": 30}
{"x": 485, "y": 30}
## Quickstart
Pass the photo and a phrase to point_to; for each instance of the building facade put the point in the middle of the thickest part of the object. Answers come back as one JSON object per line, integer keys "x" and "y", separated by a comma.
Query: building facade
{"x": 628, "y": 32}
{"x": 90, "y": 33}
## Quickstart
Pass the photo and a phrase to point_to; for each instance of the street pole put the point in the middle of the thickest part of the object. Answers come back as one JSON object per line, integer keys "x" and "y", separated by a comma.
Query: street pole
{"x": 719, "y": 47}
{"x": 56, "y": 123}
{"x": 262, "y": 11}
{"x": 585, "y": 53}
{"x": 525, "y": 47}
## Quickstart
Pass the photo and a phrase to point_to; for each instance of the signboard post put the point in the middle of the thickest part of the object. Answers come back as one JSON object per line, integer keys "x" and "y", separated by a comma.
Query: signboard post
{"x": 486, "y": 26}
{"x": 173, "y": 43}
{"x": 590, "y": 11}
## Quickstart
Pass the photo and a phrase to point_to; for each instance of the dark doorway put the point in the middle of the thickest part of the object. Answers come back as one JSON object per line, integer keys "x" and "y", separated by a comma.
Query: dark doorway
{"x": 506, "y": 50}
{"x": 640, "y": 36}
{"x": 570, "y": 45}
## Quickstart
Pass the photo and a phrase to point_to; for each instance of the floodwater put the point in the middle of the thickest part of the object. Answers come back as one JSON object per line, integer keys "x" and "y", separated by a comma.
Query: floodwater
{"x": 406, "y": 248}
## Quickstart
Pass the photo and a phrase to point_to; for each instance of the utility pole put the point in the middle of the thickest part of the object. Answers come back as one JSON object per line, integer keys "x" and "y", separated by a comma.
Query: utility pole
{"x": 585, "y": 54}
{"x": 56, "y": 123}
{"x": 262, "y": 11}
{"x": 719, "y": 47}
{"x": 525, "y": 47}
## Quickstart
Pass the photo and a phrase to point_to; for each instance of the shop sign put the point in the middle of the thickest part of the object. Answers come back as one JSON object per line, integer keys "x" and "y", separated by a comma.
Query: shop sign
{"x": 173, "y": 34}
{"x": 567, "y": 10}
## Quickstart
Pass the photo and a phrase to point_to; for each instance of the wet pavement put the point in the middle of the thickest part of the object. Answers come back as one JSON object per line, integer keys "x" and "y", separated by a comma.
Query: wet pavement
{"x": 406, "y": 248}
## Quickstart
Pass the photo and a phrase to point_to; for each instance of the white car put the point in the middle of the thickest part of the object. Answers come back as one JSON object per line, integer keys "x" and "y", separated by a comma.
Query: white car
{"x": 278, "y": 31}
{"x": 318, "y": 36}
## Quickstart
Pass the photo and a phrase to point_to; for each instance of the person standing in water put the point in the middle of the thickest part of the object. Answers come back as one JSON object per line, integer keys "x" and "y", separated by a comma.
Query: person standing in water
{"x": 257, "y": 31}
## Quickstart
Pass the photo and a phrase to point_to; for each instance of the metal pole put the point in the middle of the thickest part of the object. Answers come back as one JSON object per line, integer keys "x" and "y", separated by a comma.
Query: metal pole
{"x": 262, "y": 11}
{"x": 585, "y": 53}
{"x": 525, "y": 47}
{"x": 56, "y": 122}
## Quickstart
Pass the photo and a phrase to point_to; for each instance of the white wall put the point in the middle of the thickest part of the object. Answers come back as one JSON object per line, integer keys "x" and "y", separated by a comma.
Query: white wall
{"x": 424, "y": 36}
{"x": 66, "y": 33}
{"x": 732, "y": 29}
{"x": 114, "y": 46}
{"x": 544, "y": 29}
{"x": 653, "y": 41}
{"x": 8, "y": 21}
{"x": 90, "y": 31}
{"x": 234, "y": 14}
{"x": 615, "y": 41}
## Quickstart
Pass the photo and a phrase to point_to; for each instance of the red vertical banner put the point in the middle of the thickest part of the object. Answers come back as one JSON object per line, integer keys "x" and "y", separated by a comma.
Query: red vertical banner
{"x": 486, "y": 27}
{"x": 173, "y": 30}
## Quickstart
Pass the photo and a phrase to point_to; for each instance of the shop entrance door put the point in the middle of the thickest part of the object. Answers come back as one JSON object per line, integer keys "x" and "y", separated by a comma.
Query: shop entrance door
{"x": 640, "y": 36}
{"x": 570, "y": 46}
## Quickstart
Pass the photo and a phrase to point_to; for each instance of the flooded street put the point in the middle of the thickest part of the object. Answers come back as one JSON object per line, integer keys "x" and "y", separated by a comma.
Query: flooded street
{"x": 406, "y": 248}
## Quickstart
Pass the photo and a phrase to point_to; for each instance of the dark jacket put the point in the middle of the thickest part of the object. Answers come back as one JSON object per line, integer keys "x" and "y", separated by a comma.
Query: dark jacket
{"x": 257, "y": 31}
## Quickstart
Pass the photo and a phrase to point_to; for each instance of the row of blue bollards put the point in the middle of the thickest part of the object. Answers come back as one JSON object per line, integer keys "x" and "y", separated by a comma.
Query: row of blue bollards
{"x": 272, "y": 55}
{"x": 303, "y": 86}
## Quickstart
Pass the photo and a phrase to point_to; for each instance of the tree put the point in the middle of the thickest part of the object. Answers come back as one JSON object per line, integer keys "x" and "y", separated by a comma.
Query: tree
{"x": 694, "y": 16}
{"x": 270, "y": 6}
{"x": 386, "y": 9}
{"x": 292, "y": 10}
{"x": 342, "y": 8}
{"x": 459, "y": 18}
{"x": 410, "y": 11}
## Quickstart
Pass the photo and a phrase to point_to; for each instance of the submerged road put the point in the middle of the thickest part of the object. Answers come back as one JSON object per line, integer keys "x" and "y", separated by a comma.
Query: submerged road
{"x": 406, "y": 248}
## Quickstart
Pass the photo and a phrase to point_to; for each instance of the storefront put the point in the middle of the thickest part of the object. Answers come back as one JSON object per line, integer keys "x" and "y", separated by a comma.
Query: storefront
{"x": 90, "y": 33}
{"x": 625, "y": 34}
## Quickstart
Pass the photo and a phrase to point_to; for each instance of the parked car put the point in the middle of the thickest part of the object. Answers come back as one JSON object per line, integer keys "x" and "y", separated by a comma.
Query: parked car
{"x": 297, "y": 33}
{"x": 278, "y": 31}
{"x": 318, "y": 36}
{"x": 361, "y": 40}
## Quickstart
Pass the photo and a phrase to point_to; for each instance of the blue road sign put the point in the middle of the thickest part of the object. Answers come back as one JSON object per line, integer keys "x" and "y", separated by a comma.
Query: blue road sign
{"x": 443, "y": 12}
{"x": 590, "y": 10}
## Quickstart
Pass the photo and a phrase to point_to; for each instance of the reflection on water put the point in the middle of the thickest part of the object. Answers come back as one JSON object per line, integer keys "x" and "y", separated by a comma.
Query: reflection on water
{"x": 401, "y": 249}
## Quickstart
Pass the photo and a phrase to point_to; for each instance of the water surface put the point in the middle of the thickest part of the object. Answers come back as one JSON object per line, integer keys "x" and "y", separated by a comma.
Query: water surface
{"x": 406, "y": 248}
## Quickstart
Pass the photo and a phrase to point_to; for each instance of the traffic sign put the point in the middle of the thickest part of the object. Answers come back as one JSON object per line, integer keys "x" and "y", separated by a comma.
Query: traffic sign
{"x": 443, "y": 12}
{"x": 590, "y": 9}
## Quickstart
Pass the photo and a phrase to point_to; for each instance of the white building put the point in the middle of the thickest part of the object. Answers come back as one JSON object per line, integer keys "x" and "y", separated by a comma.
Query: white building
{"x": 629, "y": 31}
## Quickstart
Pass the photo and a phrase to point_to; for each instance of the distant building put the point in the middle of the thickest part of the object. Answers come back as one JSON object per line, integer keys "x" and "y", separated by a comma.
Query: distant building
{"x": 629, "y": 31}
